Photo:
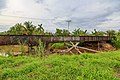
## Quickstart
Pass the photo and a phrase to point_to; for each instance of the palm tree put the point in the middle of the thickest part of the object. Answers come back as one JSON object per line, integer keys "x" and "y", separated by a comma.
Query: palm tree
{"x": 61, "y": 32}
{"x": 48, "y": 33}
{"x": 26, "y": 29}
{"x": 19, "y": 29}
{"x": 29, "y": 28}
{"x": 111, "y": 32}
{"x": 40, "y": 30}
{"x": 98, "y": 33}
{"x": 65, "y": 32}
{"x": 58, "y": 32}
{"x": 79, "y": 32}
{"x": 118, "y": 33}
{"x": 12, "y": 30}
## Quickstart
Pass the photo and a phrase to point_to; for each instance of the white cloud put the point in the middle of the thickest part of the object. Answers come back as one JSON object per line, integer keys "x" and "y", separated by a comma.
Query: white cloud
{"x": 86, "y": 13}
{"x": 113, "y": 23}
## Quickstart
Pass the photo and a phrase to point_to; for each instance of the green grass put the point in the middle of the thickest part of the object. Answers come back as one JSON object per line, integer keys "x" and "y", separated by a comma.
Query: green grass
{"x": 102, "y": 66}
{"x": 58, "y": 45}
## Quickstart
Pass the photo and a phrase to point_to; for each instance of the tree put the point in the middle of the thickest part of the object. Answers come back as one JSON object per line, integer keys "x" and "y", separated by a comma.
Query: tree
{"x": 61, "y": 32}
{"x": 118, "y": 33}
{"x": 16, "y": 29}
{"x": 40, "y": 30}
{"x": 65, "y": 32}
{"x": 111, "y": 32}
{"x": 58, "y": 32}
{"x": 48, "y": 33}
{"x": 29, "y": 28}
{"x": 79, "y": 32}
{"x": 98, "y": 33}
{"x": 26, "y": 29}
{"x": 19, "y": 28}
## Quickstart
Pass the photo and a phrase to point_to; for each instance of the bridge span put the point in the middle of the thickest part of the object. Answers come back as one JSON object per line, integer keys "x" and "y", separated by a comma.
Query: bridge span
{"x": 33, "y": 39}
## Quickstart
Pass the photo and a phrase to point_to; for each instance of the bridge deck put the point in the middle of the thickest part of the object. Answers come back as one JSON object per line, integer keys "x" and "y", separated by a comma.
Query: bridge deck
{"x": 33, "y": 39}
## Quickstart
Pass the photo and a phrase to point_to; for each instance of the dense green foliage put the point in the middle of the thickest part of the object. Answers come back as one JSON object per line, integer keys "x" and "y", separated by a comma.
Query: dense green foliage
{"x": 100, "y": 33}
{"x": 103, "y": 66}
{"x": 79, "y": 32}
{"x": 28, "y": 28}
{"x": 116, "y": 42}
{"x": 62, "y": 32}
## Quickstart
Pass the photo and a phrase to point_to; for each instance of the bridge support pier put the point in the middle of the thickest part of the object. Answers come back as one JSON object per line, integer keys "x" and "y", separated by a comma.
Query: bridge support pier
{"x": 30, "y": 48}
{"x": 46, "y": 45}
{"x": 98, "y": 45}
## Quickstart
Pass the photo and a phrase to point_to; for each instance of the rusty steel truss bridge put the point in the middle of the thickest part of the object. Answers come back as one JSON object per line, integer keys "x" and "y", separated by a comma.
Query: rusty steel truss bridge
{"x": 33, "y": 39}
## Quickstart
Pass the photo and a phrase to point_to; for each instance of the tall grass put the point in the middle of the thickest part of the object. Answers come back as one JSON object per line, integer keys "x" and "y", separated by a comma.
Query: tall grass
{"x": 103, "y": 66}
{"x": 22, "y": 47}
{"x": 40, "y": 49}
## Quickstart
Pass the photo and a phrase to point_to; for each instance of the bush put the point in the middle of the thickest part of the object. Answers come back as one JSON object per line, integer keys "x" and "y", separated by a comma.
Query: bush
{"x": 116, "y": 42}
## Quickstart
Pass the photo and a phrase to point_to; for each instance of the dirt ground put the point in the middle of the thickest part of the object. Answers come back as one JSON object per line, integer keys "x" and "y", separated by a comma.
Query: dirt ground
{"x": 102, "y": 47}
{"x": 16, "y": 49}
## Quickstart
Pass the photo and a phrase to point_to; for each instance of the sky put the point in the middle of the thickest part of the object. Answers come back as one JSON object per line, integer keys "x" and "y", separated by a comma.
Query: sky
{"x": 85, "y": 14}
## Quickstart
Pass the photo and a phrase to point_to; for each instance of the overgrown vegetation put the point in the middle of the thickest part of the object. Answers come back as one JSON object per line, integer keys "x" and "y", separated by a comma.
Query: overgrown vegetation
{"x": 22, "y": 45}
{"x": 40, "y": 49}
{"x": 28, "y": 28}
{"x": 103, "y": 66}
{"x": 116, "y": 42}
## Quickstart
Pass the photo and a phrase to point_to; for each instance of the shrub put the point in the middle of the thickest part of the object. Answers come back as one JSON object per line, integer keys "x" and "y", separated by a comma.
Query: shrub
{"x": 116, "y": 42}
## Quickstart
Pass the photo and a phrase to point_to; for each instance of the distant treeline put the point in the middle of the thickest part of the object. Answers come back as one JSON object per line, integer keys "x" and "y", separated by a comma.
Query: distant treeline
{"x": 28, "y": 28}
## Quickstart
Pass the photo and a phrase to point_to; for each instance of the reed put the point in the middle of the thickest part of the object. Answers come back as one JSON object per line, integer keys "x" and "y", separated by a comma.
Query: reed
{"x": 40, "y": 49}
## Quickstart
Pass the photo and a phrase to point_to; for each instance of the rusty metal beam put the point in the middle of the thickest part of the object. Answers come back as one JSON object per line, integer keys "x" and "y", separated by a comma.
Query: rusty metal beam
{"x": 33, "y": 39}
